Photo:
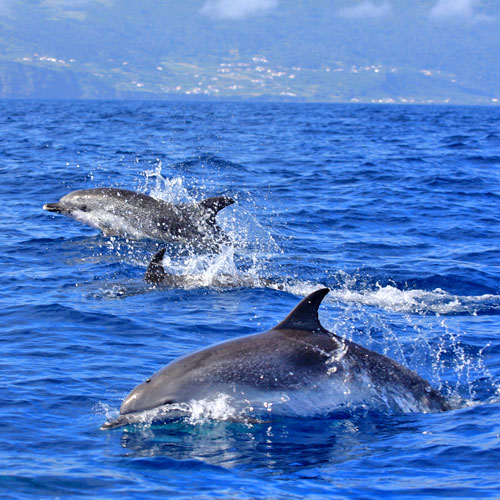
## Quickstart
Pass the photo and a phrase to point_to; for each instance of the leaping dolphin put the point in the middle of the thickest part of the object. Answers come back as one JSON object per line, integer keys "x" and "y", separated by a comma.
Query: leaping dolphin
{"x": 137, "y": 215}
{"x": 296, "y": 355}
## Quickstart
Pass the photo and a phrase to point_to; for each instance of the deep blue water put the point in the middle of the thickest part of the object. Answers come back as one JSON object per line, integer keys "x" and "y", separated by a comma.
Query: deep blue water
{"x": 396, "y": 209}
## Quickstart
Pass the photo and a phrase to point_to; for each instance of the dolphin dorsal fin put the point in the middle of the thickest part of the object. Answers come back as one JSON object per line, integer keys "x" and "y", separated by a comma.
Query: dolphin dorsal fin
{"x": 155, "y": 273}
{"x": 305, "y": 314}
{"x": 214, "y": 205}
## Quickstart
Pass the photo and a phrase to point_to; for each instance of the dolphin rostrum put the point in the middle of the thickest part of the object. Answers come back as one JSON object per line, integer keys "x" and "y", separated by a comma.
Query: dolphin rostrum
{"x": 137, "y": 215}
{"x": 297, "y": 355}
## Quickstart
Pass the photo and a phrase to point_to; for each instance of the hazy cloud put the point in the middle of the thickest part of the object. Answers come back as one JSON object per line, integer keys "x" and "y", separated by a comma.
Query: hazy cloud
{"x": 366, "y": 9}
{"x": 72, "y": 4}
{"x": 236, "y": 9}
{"x": 6, "y": 7}
{"x": 458, "y": 9}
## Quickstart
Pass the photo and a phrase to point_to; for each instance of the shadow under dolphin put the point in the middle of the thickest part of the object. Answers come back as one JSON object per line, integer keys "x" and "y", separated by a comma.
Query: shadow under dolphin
{"x": 136, "y": 215}
{"x": 297, "y": 356}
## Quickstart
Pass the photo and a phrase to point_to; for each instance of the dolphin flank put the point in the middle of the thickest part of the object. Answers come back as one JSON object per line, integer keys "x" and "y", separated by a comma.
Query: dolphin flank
{"x": 137, "y": 215}
{"x": 296, "y": 355}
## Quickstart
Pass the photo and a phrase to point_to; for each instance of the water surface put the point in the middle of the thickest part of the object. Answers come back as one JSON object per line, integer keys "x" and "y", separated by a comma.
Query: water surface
{"x": 396, "y": 209}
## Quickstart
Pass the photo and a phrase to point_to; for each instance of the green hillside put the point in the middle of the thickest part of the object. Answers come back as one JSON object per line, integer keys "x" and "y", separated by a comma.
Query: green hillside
{"x": 296, "y": 51}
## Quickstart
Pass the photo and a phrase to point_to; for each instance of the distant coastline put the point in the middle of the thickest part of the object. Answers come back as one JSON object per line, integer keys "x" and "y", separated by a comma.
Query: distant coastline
{"x": 44, "y": 77}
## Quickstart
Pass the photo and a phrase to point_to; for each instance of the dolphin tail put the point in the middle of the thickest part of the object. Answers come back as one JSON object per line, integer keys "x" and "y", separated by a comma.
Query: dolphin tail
{"x": 155, "y": 273}
{"x": 214, "y": 205}
{"x": 305, "y": 314}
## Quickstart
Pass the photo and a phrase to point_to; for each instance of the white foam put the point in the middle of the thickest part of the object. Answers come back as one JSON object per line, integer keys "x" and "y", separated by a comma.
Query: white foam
{"x": 219, "y": 407}
{"x": 210, "y": 270}
{"x": 437, "y": 301}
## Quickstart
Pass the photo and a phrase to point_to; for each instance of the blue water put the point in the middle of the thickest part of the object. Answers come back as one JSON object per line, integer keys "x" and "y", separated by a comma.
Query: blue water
{"x": 396, "y": 209}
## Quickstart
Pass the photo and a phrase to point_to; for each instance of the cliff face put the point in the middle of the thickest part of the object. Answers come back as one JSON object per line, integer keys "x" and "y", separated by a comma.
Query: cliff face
{"x": 20, "y": 80}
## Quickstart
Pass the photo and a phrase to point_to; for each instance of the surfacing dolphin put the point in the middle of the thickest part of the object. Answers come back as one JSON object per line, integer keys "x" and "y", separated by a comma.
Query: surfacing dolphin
{"x": 137, "y": 215}
{"x": 296, "y": 355}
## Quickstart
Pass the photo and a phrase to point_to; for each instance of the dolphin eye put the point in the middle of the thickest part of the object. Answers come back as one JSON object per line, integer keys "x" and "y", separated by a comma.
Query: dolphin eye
{"x": 148, "y": 380}
{"x": 83, "y": 208}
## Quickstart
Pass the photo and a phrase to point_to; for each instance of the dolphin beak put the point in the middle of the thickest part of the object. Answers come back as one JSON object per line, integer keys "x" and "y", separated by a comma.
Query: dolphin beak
{"x": 161, "y": 414}
{"x": 113, "y": 424}
{"x": 53, "y": 207}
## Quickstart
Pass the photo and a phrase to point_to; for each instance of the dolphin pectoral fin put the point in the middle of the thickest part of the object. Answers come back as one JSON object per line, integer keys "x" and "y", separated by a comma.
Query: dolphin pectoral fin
{"x": 305, "y": 314}
{"x": 155, "y": 273}
{"x": 214, "y": 205}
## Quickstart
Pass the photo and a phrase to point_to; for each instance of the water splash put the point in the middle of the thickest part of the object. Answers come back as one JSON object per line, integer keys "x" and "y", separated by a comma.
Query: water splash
{"x": 428, "y": 345}
{"x": 171, "y": 190}
{"x": 210, "y": 270}
{"x": 238, "y": 262}
{"x": 438, "y": 301}
{"x": 357, "y": 288}
{"x": 220, "y": 407}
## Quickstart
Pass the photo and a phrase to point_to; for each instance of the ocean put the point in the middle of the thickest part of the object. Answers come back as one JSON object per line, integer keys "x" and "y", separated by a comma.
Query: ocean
{"x": 394, "y": 208}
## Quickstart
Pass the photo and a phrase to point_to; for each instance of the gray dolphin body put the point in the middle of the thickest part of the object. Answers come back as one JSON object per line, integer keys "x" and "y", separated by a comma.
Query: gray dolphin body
{"x": 128, "y": 213}
{"x": 296, "y": 355}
